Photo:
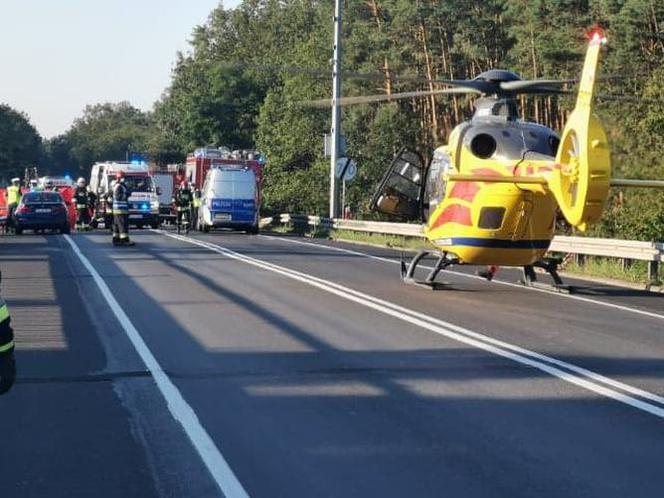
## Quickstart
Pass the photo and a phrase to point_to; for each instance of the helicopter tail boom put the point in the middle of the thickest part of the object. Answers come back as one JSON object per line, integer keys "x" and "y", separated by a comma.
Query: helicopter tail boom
{"x": 525, "y": 180}
{"x": 539, "y": 180}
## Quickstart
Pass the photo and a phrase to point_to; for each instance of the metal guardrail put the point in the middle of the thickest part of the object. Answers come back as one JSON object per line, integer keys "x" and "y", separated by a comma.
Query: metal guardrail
{"x": 652, "y": 252}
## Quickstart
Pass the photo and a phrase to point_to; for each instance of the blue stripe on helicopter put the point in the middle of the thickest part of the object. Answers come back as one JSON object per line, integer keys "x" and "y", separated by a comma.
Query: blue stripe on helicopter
{"x": 501, "y": 243}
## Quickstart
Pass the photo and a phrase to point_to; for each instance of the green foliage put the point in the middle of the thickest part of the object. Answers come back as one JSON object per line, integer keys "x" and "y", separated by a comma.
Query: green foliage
{"x": 105, "y": 132}
{"x": 20, "y": 144}
{"x": 611, "y": 268}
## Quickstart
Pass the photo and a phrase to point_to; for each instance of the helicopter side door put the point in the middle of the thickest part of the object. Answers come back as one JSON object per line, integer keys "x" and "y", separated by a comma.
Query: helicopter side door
{"x": 401, "y": 190}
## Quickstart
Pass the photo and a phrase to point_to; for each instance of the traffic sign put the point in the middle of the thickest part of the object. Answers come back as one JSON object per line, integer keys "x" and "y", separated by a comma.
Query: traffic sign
{"x": 351, "y": 169}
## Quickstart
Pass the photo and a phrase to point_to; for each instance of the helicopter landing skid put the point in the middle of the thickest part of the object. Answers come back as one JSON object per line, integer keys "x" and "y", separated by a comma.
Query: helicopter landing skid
{"x": 408, "y": 272}
{"x": 550, "y": 266}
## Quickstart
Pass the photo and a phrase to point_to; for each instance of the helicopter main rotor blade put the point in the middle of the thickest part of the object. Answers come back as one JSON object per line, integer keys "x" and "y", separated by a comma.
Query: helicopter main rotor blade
{"x": 369, "y": 99}
{"x": 516, "y": 86}
{"x": 619, "y": 98}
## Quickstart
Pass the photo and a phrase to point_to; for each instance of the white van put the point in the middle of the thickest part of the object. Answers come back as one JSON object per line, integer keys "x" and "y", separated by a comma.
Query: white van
{"x": 143, "y": 201}
{"x": 229, "y": 199}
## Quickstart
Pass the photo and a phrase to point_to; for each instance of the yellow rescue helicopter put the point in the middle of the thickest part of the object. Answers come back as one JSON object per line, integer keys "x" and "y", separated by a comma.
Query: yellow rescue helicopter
{"x": 491, "y": 195}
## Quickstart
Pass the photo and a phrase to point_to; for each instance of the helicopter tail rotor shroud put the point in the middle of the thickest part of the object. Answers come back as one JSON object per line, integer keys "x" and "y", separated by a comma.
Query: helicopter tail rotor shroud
{"x": 581, "y": 180}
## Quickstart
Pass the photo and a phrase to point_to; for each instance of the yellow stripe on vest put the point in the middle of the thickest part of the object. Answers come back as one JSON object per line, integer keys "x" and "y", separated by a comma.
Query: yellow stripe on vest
{"x": 6, "y": 347}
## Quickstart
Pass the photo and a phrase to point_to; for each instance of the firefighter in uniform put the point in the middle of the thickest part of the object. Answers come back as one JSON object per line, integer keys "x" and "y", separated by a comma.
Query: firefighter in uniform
{"x": 92, "y": 207}
{"x": 13, "y": 198}
{"x": 82, "y": 202}
{"x": 121, "y": 195}
{"x": 183, "y": 202}
{"x": 7, "y": 362}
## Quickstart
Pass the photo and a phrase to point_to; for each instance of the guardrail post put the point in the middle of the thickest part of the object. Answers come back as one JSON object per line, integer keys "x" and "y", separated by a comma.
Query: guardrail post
{"x": 653, "y": 272}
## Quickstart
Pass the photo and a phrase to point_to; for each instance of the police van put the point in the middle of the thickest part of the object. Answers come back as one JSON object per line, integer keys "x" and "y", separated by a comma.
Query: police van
{"x": 229, "y": 199}
{"x": 143, "y": 202}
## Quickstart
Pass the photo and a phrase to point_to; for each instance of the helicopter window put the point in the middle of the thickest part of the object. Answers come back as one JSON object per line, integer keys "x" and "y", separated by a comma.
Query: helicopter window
{"x": 435, "y": 186}
{"x": 491, "y": 218}
{"x": 408, "y": 171}
{"x": 483, "y": 145}
{"x": 404, "y": 186}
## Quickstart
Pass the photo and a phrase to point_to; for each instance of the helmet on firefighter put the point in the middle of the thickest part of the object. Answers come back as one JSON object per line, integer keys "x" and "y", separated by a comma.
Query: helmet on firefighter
{"x": 33, "y": 182}
{"x": 119, "y": 175}
{"x": 80, "y": 182}
{"x": 16, "y": 180}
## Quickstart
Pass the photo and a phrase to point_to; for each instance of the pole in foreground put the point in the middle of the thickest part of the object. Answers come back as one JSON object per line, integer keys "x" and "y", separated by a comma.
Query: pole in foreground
{"x": 336, "y": 112}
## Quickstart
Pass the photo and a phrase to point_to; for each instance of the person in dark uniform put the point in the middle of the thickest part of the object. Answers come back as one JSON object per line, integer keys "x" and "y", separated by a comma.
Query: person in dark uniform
{"x": 121, "y": 195}
{"x": 183, "y": 200}
{"x": 7, "y": 361}
{"x": 92, "y": 208}
{"x": 82, "y": 203}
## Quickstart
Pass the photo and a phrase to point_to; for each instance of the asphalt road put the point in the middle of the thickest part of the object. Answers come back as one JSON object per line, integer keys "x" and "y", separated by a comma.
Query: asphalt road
{"x": 274, "y": 366}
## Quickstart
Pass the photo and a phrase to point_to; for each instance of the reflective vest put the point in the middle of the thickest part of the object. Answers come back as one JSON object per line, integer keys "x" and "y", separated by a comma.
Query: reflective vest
{"x": 13, "y": 194}
{"x": 120, "y": 199}
{"x": 6, "y": 332}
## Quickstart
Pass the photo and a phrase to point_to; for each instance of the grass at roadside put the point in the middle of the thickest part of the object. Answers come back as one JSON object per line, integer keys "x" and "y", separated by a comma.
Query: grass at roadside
{"x": 393, "y": 241}
{"x": 636, "y": 272}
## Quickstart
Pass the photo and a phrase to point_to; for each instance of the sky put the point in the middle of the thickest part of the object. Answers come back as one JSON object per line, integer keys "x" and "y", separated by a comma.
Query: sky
{"x": 57, "y": 56}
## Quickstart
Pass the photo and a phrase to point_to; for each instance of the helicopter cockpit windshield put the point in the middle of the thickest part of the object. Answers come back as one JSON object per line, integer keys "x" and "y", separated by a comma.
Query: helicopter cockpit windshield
{"x": 435, "y": 184}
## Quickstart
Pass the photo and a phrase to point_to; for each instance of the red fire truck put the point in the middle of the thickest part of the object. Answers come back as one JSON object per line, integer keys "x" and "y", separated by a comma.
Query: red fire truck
{"x": 200, "y": 162}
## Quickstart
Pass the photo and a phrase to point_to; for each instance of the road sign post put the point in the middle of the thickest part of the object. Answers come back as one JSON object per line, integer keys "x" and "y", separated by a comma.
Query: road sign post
{"x": 345, "y": 170}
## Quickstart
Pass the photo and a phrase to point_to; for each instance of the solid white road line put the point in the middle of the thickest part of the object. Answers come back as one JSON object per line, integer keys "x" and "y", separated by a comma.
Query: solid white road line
{"x": 592, "y": 381}
{"x": 620, "y": 307}
{"x": 179, "y": 408}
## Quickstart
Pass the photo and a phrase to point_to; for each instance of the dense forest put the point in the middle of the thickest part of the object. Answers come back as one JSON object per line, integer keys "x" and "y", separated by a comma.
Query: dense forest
{"x": 249, "y": 70}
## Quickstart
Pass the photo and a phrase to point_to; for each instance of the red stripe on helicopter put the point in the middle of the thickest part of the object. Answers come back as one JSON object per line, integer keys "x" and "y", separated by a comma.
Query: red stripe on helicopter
{"x": 485, "y": 172}
{"x": 536, "y": 170}
{"x": 454, "y": 213}
{"x": 465, "y": 191}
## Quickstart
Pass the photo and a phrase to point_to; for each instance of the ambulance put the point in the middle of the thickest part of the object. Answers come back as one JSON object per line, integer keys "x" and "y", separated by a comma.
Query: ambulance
{"x": 144, "y": 200}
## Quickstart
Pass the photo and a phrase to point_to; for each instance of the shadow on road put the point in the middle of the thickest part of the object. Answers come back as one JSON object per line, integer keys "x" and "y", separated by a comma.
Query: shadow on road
{"x": 325, "y": 420}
